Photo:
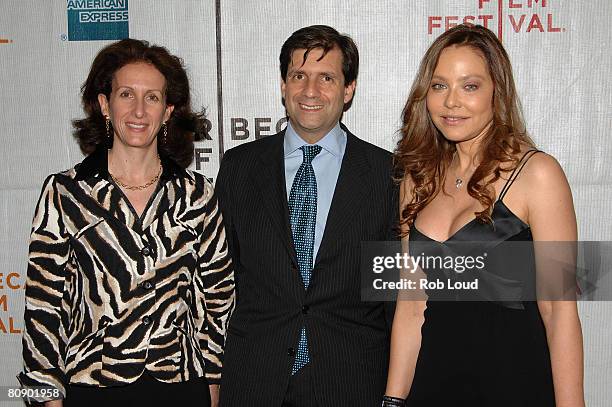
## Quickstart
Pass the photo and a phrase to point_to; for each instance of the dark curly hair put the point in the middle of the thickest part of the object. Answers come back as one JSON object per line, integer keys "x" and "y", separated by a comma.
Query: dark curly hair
{"x": 184, "y": 126}
{"x": 423, "y": 154}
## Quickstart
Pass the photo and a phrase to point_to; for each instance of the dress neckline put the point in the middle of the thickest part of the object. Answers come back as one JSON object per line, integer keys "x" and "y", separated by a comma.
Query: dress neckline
{"x": 471, "y": 222}
{"x": 499, "y": 202}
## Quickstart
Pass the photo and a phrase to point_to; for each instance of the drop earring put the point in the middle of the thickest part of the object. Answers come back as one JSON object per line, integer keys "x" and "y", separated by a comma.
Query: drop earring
{"x": 108, "y": 135}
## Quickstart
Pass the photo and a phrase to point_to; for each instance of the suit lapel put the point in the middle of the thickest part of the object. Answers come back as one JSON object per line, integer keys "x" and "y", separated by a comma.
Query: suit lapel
{"x": 270, "y": 179}
{"x": 351, "y": 189}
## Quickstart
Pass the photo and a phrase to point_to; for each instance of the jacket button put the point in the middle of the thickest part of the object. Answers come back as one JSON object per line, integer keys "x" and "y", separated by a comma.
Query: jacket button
{"x": 305, "y": 309}
{"x": 145, "y": 251}
{"x": 290, "y": 352}
{"x": 147, "y": 320}
{"x": 147, "y": 285}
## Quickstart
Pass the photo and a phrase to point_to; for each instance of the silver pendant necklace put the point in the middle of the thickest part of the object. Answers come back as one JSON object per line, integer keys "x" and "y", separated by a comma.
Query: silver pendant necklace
{"x": 458, "y": 180}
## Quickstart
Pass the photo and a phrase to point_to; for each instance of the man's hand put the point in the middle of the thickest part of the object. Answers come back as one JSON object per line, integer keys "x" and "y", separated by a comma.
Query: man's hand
{"x": 214, "y": 395}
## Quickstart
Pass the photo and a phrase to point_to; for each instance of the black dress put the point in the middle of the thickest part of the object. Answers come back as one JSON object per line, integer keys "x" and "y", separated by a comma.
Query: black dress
{"x": 477, "y": 351}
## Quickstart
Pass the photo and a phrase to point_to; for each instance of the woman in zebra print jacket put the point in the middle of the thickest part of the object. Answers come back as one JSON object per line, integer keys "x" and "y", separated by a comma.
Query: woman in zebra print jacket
{"x": 130, "y": 285}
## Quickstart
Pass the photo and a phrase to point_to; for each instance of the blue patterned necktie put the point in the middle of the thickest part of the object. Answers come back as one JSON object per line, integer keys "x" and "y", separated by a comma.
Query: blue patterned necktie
{"x": 303, "y": 214}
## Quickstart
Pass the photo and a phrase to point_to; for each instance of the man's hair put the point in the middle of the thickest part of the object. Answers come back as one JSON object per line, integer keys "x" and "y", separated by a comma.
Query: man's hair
{"x": 325, "y": 38}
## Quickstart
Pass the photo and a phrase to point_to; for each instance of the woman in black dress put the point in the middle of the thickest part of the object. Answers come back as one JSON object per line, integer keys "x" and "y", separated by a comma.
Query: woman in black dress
{"x": 470, "y": 173}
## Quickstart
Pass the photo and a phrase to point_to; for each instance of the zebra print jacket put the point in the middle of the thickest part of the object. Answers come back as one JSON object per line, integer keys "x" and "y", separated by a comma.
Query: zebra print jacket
{"x": 110, "y": 295}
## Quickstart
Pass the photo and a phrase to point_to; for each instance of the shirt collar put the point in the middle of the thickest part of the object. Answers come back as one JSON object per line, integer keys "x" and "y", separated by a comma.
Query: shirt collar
{"x": 96, "y": 165}
{"x": 331, "y": 142}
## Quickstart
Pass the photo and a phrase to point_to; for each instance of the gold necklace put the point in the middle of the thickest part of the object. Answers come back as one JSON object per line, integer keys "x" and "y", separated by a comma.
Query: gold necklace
{"x": 138, "y": 187}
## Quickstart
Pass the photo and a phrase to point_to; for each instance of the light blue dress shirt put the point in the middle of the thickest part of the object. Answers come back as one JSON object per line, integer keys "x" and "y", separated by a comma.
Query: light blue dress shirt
{"x": 326, "y": 166}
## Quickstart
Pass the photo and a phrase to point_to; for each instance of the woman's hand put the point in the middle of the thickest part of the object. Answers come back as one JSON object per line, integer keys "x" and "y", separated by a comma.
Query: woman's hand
{"x": 214, "y": 395}
{"x": 54, "y": 403}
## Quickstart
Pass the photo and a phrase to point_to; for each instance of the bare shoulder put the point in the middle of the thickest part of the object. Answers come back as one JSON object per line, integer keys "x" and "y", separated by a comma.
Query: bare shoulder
{"x": 548, "y": 198}
{"x": 543, "y": 172}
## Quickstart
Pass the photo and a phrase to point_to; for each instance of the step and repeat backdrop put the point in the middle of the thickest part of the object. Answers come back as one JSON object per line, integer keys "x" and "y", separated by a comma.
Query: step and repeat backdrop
{"x": 560, "y": 50}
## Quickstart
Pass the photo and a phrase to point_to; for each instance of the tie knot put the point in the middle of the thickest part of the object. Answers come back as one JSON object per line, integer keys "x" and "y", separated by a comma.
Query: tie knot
{"x": 310, "y": 152}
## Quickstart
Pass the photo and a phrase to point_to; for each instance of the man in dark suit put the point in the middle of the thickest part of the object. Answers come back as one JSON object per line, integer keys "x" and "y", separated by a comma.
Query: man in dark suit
{"x": 297, "y": 206}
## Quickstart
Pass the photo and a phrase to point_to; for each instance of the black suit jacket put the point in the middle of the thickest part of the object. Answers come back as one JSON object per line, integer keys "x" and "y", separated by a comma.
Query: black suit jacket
{"x": 348, "y": 338}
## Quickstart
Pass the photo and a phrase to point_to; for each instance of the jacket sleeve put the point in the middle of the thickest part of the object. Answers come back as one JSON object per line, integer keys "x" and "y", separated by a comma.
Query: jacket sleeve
{"x": 44, "y": 336}
{"x": 216, "y": 283}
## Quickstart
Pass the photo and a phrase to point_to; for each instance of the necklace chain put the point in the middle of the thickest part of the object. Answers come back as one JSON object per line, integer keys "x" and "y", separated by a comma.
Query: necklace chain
{"x": 458, "y": 180}
{"x": 138, "y": 187}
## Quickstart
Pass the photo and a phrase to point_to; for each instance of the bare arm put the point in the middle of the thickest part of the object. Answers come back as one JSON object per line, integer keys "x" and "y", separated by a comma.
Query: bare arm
{"x": 406, "y": 329}
{"x": 552, "y": 218}
{"x": 405, "y": 346}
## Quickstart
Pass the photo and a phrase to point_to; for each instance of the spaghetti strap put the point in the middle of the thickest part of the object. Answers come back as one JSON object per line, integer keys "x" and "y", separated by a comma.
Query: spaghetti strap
{"x": 517, "y": 170}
